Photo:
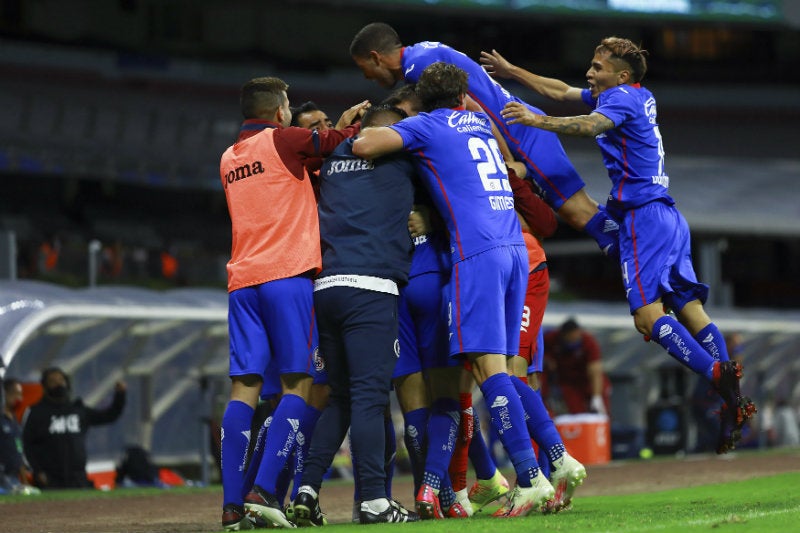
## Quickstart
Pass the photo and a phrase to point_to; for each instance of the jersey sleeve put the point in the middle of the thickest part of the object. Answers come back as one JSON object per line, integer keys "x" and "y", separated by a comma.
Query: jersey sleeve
{"x": 616, "y": 105}
{"x": 412, "y": 132}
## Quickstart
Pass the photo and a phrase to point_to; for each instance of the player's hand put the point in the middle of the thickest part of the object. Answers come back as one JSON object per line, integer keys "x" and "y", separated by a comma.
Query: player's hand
{"x": 495, "y": 64}
{"x": 517, "y": 113}
{"x": 419, "y": 221}
{"x": 120, "y": 386}
{"x": 352, "y": 114}
{"x": 596, "y": 405}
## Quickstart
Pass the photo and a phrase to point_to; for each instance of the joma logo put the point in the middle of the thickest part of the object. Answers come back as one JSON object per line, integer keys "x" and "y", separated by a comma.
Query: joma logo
{"x": 244, "y": 171}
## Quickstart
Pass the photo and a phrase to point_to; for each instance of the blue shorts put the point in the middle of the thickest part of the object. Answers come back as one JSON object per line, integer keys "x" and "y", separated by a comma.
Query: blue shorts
{"x": 537, "y": 356}
{"x": 422, "y": 317}
{"x": 547, "y": 162}
{"x": 272, "y": 325}
{"x": 485, "y": 297}
{"x": 656, "y": 259}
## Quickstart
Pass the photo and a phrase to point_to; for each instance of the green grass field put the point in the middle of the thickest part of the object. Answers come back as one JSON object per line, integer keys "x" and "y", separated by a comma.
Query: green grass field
{"x": 757, "y": 506}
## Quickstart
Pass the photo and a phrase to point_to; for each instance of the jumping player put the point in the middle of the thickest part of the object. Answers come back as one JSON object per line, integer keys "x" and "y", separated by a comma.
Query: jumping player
{"x": 378, "y": 52}
{"x": 655, "y": 250}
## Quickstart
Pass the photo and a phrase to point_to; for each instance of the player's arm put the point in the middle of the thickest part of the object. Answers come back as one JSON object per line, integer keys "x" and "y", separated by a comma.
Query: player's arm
{"x": 580, "y": 126}
{"x": 375, "y": 142}
{"x": 538, "y": 216}
{"x": 499, "y": 67}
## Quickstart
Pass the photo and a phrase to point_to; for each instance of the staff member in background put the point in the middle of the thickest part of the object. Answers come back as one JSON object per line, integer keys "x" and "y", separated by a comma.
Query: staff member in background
{"x": 54, "y": 432}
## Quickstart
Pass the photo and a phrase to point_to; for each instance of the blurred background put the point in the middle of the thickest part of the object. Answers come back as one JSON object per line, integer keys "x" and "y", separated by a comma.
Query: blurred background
{"x": 114, "y": 113}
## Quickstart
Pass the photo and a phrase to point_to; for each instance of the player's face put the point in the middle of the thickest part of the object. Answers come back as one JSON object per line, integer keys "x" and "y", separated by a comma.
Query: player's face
{"x": 374, "y": 69}
{"x": 286, "y": 111}
{"x": 315, "y": 121}
{"x": 603, "y": 73}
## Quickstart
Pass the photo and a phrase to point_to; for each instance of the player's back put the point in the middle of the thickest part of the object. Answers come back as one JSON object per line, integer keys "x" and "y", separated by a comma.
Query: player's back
{"x": 463, "y": 170}
{"x": 540, "y": 150}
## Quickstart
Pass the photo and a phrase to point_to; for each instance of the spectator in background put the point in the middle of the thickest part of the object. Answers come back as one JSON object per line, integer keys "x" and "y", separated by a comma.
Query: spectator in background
{"x": 14, "y": 473}
{"x": 573, "y": 364}
{"x": 54, "y": 431}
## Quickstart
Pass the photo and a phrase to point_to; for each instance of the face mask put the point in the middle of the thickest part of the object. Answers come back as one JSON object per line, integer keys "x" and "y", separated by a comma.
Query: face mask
{"x": 58, "y": 392}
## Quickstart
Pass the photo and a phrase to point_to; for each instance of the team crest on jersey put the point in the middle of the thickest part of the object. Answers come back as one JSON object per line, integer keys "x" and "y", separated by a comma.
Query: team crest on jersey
{"x": 650, "y": 110}
{"x": 319, "y": 361}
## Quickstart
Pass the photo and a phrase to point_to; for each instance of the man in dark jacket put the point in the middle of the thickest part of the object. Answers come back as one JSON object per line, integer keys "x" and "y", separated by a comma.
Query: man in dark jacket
{"x": 54, "y": 432}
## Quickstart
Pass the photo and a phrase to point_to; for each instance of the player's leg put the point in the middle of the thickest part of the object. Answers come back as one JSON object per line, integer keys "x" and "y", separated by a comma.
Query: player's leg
{"x": 249, "y": 355}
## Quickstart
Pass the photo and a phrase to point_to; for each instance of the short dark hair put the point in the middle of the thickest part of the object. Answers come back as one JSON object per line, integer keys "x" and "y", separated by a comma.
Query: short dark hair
{"x": 377, "y": 36}
{"x": 378, "y": 113}
{"x": 569, "y": 325}
{"x": 441, "y": 85}
{"x": 10, "y": 383}
{"x": 404, "y": 93}
{"x": 54, "y": 370}
{"x": 305, "y": 107}
{"x": 625, "y": 50}
{"x": 261, "y": 97}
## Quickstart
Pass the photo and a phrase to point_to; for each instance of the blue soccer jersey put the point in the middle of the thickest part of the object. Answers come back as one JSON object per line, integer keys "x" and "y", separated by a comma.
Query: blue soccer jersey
{"x": 632, "y": 151}
{"x": 539, "y": 150}
{"x": 461, "y": 166}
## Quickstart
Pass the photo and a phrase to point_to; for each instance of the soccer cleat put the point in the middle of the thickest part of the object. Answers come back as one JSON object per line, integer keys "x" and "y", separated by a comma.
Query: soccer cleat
{"x": 725, "y": 379}
{"x": 567, "y": 474}
{"x": 523, "y": 501}
{"x": 455, "y": 511}
{"x": 731, "y": 422}
{"x": 463, "y": 498}
{"x": 427, "y": 503}
{"x": 234, "y": 518}
{"x": 306, "y": 510}
{"x": 260, "y": 505}
{"x": 485, "y": 491}
{"x": 395, "y": 513}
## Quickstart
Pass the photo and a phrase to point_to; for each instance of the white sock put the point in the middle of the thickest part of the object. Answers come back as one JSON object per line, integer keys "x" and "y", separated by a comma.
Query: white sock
{"x": 377, "y": 506}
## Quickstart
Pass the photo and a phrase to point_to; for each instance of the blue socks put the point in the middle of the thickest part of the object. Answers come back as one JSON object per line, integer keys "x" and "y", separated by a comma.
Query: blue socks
{"x": 442, "y": 433}
{"x": 508, "y": 419}
{"x": 540, "y": 426}
{"x": 680, "y": 344}
{"x": 304, "y": 432}
{"x": 713, "y": 342}
{"x": 605, "y": 232}
{"x": 414, "y": 436}
{"x": 479, "y": 455}
{"x": 235, "y": 438}
{"x": 281, "y": 441}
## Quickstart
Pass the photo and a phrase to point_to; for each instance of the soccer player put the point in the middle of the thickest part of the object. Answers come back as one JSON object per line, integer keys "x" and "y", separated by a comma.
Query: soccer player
{"x": 378, "y": 52}
{"x": 655, "y": 250}
{"x": 461, "y": 166}
{"x": 275, "y": 253}
{"x": 366, "y": 256}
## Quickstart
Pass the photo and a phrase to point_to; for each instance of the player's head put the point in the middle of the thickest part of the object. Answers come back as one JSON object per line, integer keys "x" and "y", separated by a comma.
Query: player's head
{"x": 616, "y": 61}
{"x": 441, "y": 85}
{"x": 376, "y": 51}
{"x": 570, "y": 334}
{"x": 266, "y": 99}
{"x": 405, "y": 98}
{"x": 382, "y": 115}
{"x": 308, "y": 115}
